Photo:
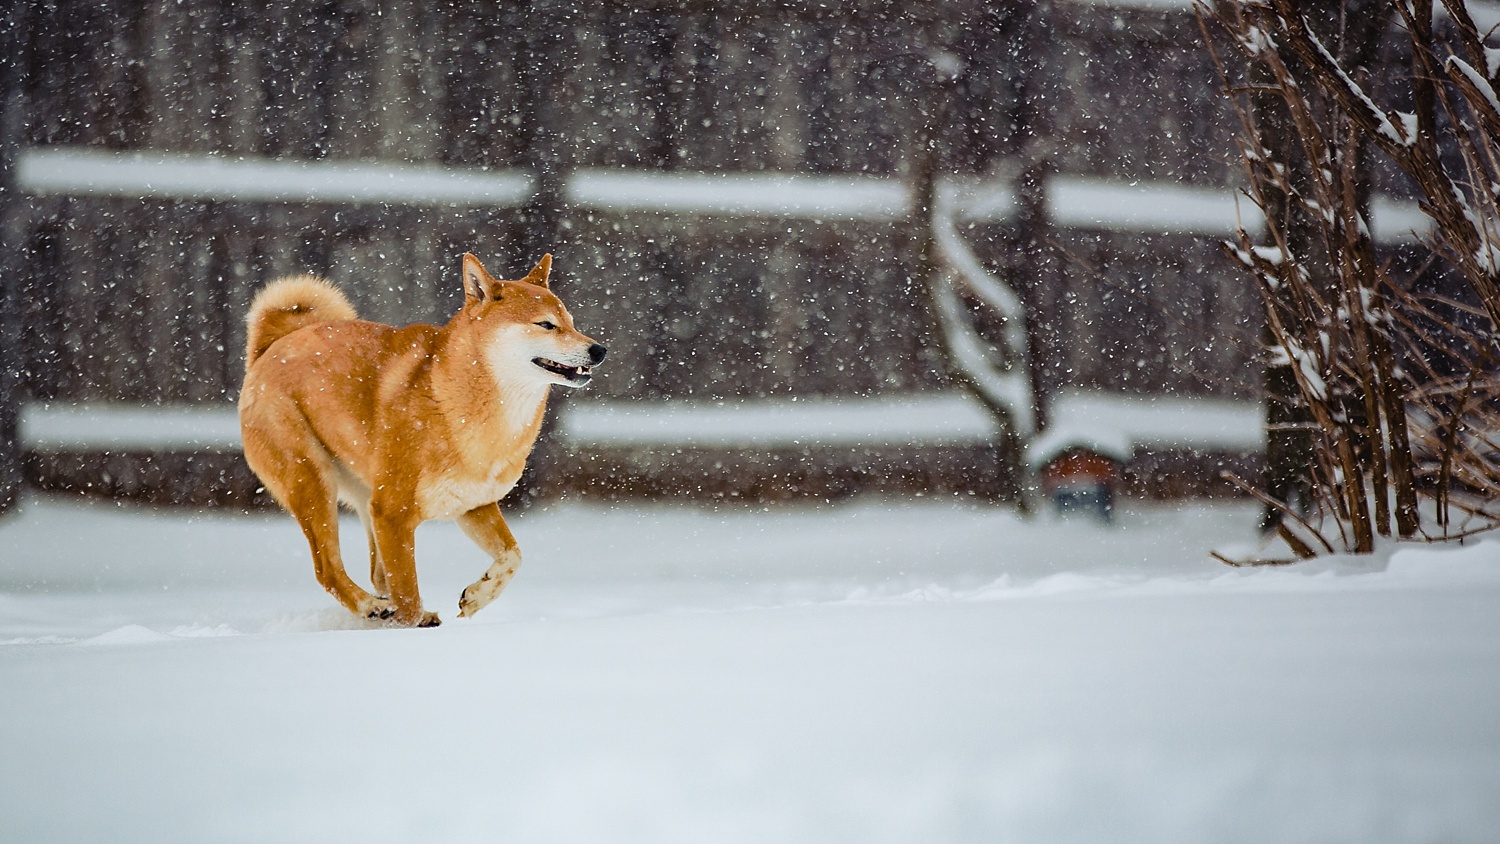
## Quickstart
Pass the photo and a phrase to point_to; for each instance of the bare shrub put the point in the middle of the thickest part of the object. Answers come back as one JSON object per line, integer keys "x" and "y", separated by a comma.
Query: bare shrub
{"x": 1399, "y": 387}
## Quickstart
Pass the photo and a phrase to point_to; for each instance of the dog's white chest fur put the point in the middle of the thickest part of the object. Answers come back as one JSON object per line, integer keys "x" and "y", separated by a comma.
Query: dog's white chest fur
{"x": 465, "y": 486}
{"x": 452, "y": 496}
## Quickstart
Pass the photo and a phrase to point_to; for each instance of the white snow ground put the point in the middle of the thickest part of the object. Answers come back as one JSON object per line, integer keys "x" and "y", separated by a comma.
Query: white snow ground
{"x": 879, "y": 671}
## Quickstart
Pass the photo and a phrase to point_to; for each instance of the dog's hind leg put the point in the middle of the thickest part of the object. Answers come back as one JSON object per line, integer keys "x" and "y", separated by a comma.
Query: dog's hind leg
{"x": 311, "y": 499}
{"x": 377, "y": 571}
{"x": 303, "y": 483}
{"x": 487, "y": 528}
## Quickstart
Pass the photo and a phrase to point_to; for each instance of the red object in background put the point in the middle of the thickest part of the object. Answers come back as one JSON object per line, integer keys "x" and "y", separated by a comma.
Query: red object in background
{"x": 1079, "y": 467}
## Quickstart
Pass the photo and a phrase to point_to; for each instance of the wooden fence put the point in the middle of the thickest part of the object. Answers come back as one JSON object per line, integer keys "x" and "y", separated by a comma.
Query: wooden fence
{"x": 139, "y": 299}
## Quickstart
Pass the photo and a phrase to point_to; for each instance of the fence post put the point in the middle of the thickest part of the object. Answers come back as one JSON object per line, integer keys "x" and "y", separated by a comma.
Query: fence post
{"x": 12, "y": 218}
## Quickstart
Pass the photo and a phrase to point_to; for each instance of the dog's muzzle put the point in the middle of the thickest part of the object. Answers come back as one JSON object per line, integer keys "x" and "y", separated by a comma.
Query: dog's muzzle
{"x": 575, "y": 375}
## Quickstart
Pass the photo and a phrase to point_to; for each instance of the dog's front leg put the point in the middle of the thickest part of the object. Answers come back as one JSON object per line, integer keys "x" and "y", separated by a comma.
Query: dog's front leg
{"x": 395, "y": 536}
{"x": 487, "y": 528}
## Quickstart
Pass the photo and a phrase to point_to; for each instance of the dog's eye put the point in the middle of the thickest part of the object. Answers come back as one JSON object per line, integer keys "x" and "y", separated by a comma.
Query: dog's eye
{"x": 545, "y": 324}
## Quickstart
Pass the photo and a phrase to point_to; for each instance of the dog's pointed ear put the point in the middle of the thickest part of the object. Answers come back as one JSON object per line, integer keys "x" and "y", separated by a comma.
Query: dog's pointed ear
{"x": 479, "y": 285}
{"x": 539, "y": 273}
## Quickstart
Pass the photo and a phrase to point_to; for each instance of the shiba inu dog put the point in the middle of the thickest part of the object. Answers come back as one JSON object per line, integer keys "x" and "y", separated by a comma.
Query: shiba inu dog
{"x": 404, "y": 424}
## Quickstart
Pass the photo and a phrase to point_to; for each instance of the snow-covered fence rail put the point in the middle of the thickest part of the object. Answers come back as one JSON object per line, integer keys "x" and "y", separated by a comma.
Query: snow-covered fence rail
{"x": 922, "y": 440}
{"x": 915, "y": 441}
{"x": 109, "y": 428}
{"x": 770, "y": 448}
{"x": 84, "y": 171}
{"x": 1074, "y": 202}
{"x": 921, "y": 419}
{"x": 795, "y": 196}
{"x": 1145, "y": 422}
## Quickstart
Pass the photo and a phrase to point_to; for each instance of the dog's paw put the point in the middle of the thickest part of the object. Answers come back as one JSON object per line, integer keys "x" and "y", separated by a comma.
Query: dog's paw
{"x": 480, "y": 593}
{"x": 420, "y": 618}
{"x": 469, "y": 602}
{"x": 379, "y": 609}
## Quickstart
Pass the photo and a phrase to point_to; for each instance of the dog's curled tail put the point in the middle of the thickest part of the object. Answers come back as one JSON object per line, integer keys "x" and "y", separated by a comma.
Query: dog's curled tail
{"x": 287, "y": 304}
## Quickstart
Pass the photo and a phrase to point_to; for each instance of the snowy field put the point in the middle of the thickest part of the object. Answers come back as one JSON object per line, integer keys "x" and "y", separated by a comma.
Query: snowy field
{"x": 881, "y": 671}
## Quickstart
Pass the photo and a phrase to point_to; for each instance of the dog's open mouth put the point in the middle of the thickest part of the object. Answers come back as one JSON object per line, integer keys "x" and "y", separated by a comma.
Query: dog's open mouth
{"x": 573, "y": 374}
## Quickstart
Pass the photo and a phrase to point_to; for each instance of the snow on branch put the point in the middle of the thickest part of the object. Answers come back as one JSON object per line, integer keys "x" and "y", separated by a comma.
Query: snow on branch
{"x": 1478, "y": 91}
{"x": 1354, "y": 96}
{"x": 1388, "y": 387}
{"x": 1008, "y": 386}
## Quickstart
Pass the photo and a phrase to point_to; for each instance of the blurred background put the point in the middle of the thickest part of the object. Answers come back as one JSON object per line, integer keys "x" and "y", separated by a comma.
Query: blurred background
{"x": 833, "y": 247}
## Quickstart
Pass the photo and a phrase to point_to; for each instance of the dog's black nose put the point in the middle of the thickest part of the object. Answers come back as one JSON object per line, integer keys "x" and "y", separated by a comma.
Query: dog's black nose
{"x": 596, "y": 353}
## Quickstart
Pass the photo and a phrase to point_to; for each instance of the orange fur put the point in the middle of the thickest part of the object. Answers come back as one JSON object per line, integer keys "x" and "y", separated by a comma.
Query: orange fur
{"x": 288, "y": 304}
{"x": 404, "y": 425}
